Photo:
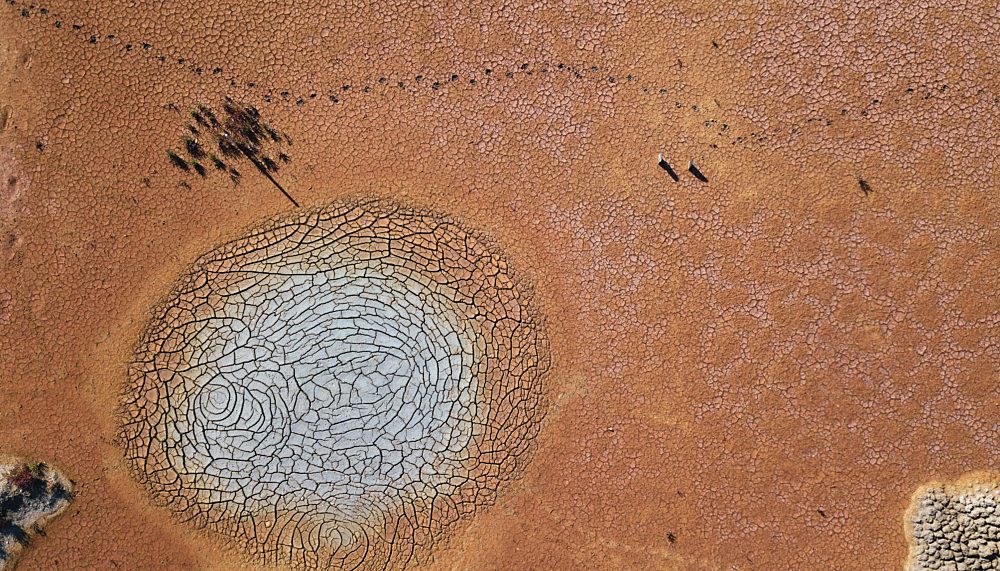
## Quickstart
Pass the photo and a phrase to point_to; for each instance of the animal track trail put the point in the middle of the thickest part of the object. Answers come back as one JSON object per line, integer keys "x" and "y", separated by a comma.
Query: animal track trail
{"x": 354, "y": 89}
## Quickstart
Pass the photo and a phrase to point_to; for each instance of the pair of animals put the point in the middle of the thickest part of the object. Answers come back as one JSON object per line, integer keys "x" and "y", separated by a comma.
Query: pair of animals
{"x": 691, "y": 168}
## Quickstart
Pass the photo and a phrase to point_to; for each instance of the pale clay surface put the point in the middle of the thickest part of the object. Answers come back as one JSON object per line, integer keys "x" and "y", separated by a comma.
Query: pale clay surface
{"x": 330, "y": 381}
{"x": 956, "y": 528}
{"x": 315, "y": 386}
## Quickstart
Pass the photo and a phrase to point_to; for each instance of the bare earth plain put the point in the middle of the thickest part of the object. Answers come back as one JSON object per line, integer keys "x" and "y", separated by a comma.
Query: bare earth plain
{"x": 756, "y": 372}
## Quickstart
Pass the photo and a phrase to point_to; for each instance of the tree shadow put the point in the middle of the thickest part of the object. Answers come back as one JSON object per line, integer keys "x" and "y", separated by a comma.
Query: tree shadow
{"x": 237, "y": 133}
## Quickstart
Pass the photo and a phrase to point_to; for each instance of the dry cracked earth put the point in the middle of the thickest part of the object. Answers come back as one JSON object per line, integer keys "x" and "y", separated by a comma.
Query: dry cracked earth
{"x": 578, "y": 285}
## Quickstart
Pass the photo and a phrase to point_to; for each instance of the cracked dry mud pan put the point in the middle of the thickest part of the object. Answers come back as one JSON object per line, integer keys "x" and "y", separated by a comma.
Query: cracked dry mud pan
{"x": 955, "y": 527}
{"x": 754, "y": 369}
{"x": 338, "y": 387}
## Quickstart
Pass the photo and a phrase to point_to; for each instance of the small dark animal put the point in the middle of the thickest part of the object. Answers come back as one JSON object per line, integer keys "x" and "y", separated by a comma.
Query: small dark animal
{"x": 666, "y": 166}
{"x": 865, "y": 187}
{"x": 178, "y": 162}
{"x": 697, "y": 173}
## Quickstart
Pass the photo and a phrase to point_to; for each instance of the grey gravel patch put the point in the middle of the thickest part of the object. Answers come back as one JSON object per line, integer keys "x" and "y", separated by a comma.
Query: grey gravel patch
{"x": 30, "y": 495}
{"x": 956, "y": 528}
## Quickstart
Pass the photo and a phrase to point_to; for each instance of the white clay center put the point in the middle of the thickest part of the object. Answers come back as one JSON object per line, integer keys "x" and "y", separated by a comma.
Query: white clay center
{"x": 346, "y": 385}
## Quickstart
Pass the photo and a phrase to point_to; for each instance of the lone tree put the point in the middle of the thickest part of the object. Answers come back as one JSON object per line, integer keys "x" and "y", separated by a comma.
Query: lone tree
{"x": 236, "y": 134}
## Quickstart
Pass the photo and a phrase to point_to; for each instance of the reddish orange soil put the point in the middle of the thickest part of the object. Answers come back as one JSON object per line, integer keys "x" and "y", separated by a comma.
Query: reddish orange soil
{"x": 753, "y": 373}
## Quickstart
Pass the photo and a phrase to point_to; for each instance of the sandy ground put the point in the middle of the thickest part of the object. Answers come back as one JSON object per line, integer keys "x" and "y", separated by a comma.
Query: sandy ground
{"x": 753, "y": 373}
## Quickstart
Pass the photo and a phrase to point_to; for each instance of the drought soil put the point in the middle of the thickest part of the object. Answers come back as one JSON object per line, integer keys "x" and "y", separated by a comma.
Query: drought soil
{"x": 754, "y": 368}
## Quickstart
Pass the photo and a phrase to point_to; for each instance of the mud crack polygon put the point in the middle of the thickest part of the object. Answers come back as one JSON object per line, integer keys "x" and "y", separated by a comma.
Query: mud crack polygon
{"x": 337, "y": 388}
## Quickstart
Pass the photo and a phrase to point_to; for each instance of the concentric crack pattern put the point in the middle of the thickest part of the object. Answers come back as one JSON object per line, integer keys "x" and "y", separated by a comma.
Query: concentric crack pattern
{"x": 337, "y": 388}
